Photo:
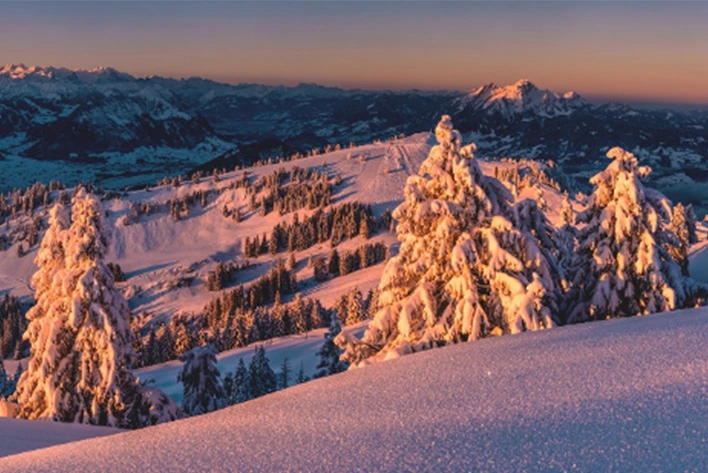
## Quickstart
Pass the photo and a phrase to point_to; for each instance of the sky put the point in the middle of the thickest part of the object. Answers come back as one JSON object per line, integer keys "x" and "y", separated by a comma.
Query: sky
{"x": 636, "y": 51}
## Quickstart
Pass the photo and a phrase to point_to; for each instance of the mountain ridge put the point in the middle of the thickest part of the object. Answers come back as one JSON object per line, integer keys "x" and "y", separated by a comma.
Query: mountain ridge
{"x": 110, "y": 127}
{"x": 523, "y": 96}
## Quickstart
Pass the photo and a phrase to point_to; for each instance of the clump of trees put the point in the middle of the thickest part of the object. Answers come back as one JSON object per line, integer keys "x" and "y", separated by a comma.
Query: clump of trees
{"x": 343, "y": 221}
{"x": 476, "y": 261}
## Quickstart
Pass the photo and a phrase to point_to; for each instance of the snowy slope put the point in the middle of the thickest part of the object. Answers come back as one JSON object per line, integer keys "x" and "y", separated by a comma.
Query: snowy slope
{"x": 623, "y": 395}
{"x": 156, "y": 251}
{"x": 18, "y": 436}
{"x": 299, "y": 350}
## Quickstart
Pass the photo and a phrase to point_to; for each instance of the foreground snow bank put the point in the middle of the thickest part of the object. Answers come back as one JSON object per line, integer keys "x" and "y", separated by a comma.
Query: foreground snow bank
{"x": 18, "y": 436}
{"x": 623, "y": 395}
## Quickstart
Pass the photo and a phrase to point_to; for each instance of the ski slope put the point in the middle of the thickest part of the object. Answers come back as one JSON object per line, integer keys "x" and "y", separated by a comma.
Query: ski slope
{"x": 622, "y": 395}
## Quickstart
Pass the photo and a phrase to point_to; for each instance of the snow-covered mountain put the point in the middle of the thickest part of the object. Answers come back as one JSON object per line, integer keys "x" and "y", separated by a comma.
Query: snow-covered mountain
{"x": 519, "y": 98}
{"x": 622, "y": 395}
{"x": 118, "y": 130}
{"x": 169, "y": 240}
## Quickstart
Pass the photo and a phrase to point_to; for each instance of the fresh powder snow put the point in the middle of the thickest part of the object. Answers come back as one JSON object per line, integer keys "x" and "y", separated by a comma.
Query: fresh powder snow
{"x": 622, "y": 395}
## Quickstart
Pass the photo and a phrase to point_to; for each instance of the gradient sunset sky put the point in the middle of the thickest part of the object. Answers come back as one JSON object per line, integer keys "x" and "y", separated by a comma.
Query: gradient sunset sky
{"x": 656, "y": 52}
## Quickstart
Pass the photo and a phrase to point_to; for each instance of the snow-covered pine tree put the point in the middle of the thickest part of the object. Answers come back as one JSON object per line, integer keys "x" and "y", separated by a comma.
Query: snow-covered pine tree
{"x": 241, "y": 391}
{"x": 355, "y": 307}
{"x": 624, "y": 245}
{"x": 201, "y": 380}
{"x": 79, "y": 331}
{"x": 566, "y": 255}
{"x": 464, "y": 269}
{"x": 691, "y": 223}
{"x": 680, "y": 226}
{"x": 329, "y": 353}
{"x": 340, "y": 308}
{"x": 261, "y": 376}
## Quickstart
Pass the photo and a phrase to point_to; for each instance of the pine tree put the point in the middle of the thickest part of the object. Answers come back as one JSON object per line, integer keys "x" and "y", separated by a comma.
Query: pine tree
{"x": 330, "y": 353}
{"x": 151, "y": 355}
{"x": 464, "y": 269}
{"x": 372, "y": 303}
{"x": 300, "y": 317}
{"x": 334, "y": 263}
{"x": 81, "y": 342}
{"x": 680, "y": 226}
{"x": 341, "y": 306}
{"x": 319, "y": 269}
{"x": 182, "y": 340}
{"x": 261, "y": 376}
{"x": 241, "y": 384}
{"x": 624, "y": 245}
{"x": 203, "y": 389}
{"x": 355, "y": 307}
{"x": 316, "y": 315}
{"x": 691, "y": 223}
{"x": 364, "y": 230}
{"x": 285, "y": 374}
{"x": 301, "y": 378}
{"x": 166, "y": 345}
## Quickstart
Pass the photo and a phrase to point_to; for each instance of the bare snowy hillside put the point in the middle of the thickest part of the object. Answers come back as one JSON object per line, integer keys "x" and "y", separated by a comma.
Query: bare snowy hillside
{"x": 622, "y": 395}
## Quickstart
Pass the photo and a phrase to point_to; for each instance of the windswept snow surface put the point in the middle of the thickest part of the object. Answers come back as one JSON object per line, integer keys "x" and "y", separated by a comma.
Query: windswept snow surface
{"x": 622, "y": 395}
{"x": 18, "y": 436}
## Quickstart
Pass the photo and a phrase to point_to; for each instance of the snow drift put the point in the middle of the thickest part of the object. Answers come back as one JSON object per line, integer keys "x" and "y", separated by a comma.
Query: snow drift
{"x": 622, "y": 395}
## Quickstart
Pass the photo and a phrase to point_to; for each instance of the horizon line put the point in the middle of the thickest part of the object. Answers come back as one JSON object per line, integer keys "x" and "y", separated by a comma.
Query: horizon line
{"x": 596, "y": 99}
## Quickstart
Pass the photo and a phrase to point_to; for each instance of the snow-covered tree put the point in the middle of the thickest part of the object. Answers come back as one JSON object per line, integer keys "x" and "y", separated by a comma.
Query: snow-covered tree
{"x": 241, "y": 390}
{"x": 156, "y": 407}
{"x": 201, "y": 380}
{"x": 79, "y": 332}
{"x": 329, "y": 353}
{"x": 624, "y": 245}
{"x": 355, "y": 307}
{"x": 685, "y": 234}
{"x": 261, "y": 376}
{"x": 464, "y": 268}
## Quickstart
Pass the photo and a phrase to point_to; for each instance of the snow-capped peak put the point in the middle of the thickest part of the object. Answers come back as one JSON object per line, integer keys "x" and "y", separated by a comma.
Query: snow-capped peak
{"x": 520, "y": 97}
{"x": 21, "y": 71}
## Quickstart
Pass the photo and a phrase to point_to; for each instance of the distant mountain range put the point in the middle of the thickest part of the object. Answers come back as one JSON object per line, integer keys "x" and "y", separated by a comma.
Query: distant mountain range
{"x": 115, "y": 127}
